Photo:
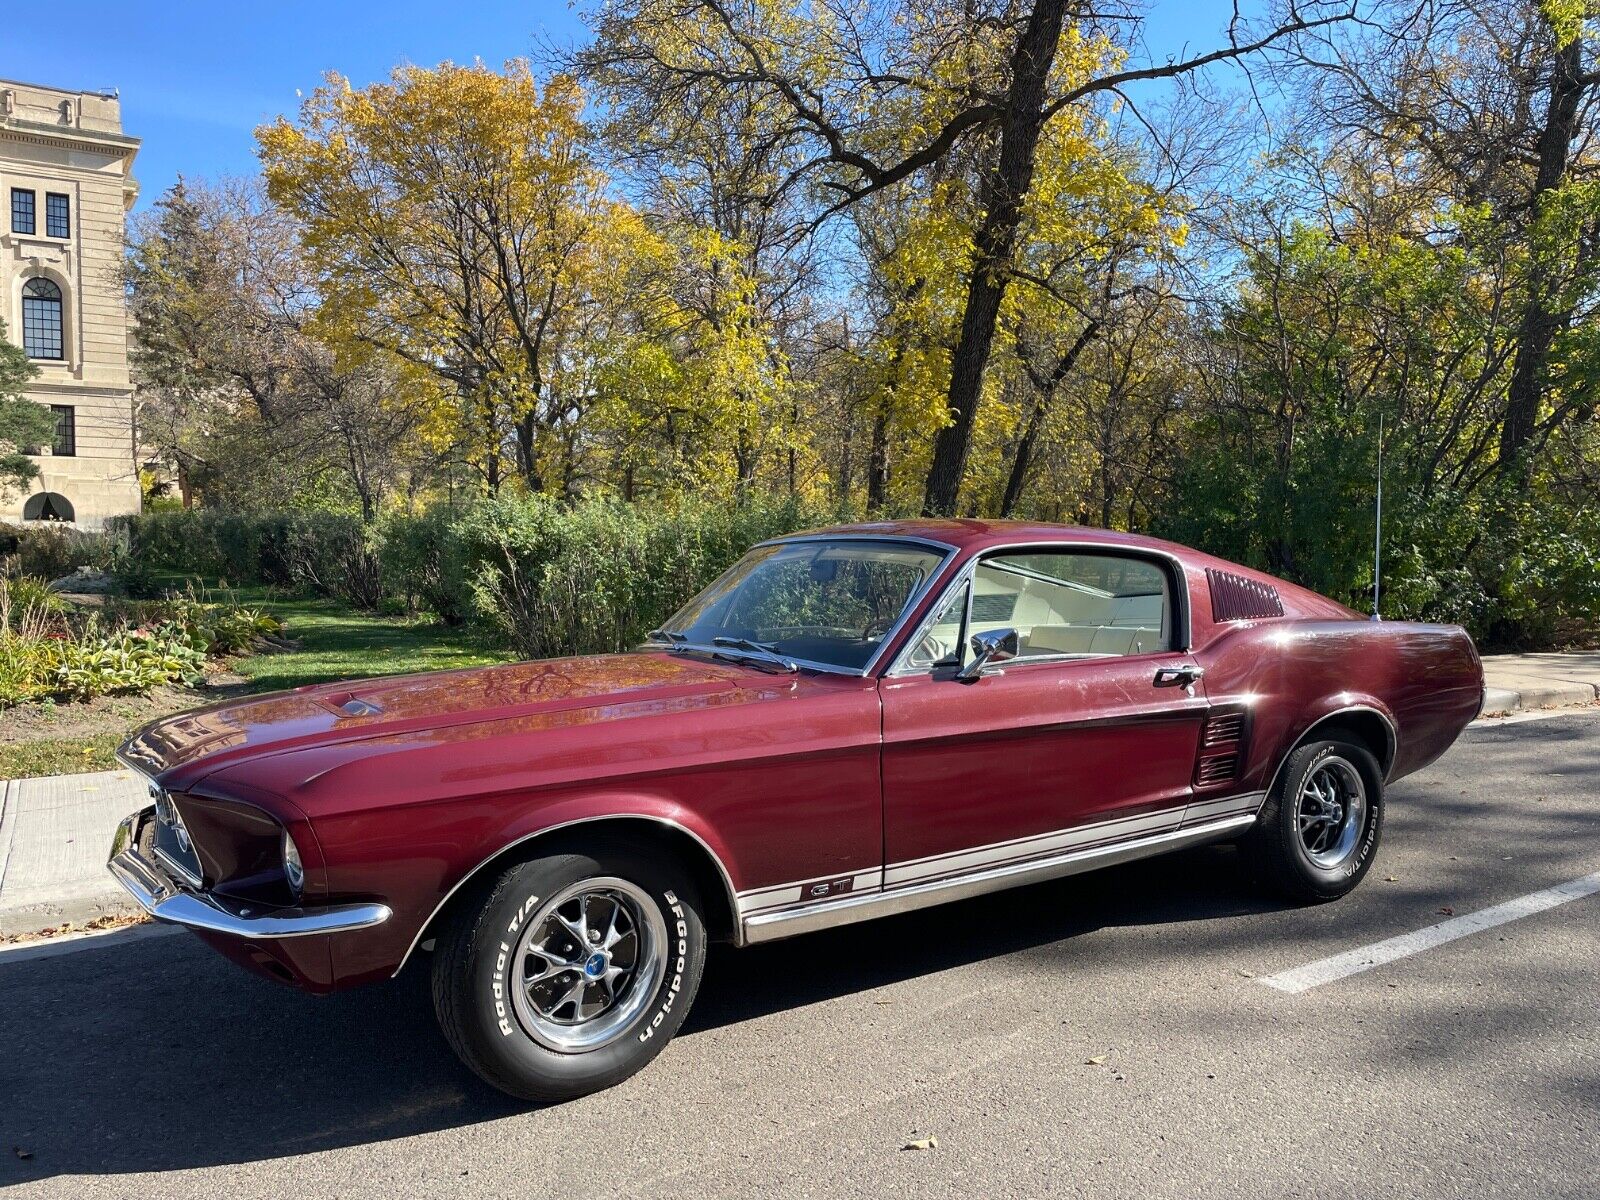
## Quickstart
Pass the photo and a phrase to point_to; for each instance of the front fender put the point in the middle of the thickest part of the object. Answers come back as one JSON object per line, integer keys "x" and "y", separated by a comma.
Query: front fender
{"x": 418, "y": 864}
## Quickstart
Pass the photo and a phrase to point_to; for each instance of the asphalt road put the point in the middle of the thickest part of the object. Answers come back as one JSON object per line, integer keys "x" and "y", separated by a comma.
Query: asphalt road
{"x": 1108, "y": 1035}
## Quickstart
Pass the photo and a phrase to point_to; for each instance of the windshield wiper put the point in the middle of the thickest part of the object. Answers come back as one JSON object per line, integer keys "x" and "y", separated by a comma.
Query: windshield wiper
{"x": 766, "y": 650}
{"x": 667, "y": 635}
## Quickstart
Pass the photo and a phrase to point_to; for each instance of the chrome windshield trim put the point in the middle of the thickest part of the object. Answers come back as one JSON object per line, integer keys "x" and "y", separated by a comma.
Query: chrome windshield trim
{"x": 165, "y": 899}
{"x": 1178, "y": 579}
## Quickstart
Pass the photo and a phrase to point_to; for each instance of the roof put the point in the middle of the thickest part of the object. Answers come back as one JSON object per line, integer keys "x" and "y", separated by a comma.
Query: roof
{"x": 967, "y": 535}
{"x": 971, "y": 533}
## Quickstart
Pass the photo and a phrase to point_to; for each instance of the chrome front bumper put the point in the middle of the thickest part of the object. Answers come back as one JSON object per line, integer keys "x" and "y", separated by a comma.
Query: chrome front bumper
{"x": 165, "y": 899}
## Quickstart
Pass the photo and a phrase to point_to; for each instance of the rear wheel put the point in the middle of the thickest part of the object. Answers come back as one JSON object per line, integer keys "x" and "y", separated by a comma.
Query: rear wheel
{"x": 1318, "y": 832}
{"x": 572, "y": 972}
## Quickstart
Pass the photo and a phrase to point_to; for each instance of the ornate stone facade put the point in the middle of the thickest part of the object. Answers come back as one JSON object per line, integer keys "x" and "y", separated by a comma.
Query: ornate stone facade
{"x": 66, "y": 186}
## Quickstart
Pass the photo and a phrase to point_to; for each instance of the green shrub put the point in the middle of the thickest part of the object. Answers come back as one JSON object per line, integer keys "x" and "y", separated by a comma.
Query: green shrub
{"x": 596, "y": 577}
{"x": 50, "y": 551}
{"x": 217, "y": 627}
{"x": 421, "y": 562}
{"x": 95, "y": 663}
{"x": 548, "y": 578}
{"x": 327, "y": 553}
{"x": 26, "y": 600}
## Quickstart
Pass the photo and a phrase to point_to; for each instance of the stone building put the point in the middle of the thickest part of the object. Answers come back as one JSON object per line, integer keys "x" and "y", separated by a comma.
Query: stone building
{"x": 66, "y": 186}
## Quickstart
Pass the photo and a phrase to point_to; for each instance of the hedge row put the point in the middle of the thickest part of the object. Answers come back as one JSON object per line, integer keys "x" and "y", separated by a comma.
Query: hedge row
{"x": 546, "y": 578}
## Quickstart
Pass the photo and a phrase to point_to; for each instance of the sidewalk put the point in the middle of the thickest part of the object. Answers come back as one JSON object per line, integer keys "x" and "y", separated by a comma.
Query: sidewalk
{"x": 55, "y": 833}
{"x": 1519, "y": 681}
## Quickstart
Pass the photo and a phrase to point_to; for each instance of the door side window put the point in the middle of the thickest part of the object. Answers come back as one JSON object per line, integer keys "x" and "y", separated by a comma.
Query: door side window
{"x": 1075, "y": 605}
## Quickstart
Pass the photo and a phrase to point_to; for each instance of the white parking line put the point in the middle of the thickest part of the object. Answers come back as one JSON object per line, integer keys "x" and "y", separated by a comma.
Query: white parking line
{"x": 1353, "y": 962}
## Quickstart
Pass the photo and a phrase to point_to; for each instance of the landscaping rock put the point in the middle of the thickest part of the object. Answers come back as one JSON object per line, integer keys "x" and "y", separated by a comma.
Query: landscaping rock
{"x": 85, "y": 581}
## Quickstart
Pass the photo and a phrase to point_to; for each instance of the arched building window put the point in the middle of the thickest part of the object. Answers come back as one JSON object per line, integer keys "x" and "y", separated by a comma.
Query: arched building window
{"x": 41, "y": 319}
{"x": 47, "y": 506}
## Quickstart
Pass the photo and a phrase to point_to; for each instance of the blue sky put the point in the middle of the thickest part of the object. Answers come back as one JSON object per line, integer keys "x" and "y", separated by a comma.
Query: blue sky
{"x": 197, "y": 78}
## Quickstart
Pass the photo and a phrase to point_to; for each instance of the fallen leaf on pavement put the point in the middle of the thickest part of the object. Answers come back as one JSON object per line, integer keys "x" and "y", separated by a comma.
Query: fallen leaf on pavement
{"x": 1095, "y": 1061}
{"x": 1448, "y": 911}
{"x": 1391, "y": 879}
{"x": 21, "y": 1153}
{"x": 927, "y": 1143}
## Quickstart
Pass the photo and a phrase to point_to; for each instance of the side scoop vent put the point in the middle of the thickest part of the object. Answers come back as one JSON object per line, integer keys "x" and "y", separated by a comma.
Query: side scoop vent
{"x": 1235, "y": 598}
{"x": 1222, "y": 747}
{"x": 1217, "y": 769}
{"x": 1225, "y": 729}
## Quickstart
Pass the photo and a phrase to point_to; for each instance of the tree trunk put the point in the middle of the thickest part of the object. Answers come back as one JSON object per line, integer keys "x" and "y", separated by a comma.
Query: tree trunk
{"x": 1030, "y": 430}
{"x": 1540, "y": 322}
{"x": 1005, "y": 187}
{"x": 744, "y": 460}
{"x": 527, "y": 431}
{"x": 878, "y": 462}
{"x": 1024, "y": 458}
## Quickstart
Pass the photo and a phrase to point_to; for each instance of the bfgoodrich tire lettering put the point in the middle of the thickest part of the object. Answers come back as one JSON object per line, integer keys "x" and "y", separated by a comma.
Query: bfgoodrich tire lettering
{"x": 539, "y": 1029}
{"x": 1317, "y": 834}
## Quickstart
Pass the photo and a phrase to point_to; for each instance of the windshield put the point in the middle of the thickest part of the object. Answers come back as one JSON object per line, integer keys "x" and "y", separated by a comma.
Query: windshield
{"x": 828, "y": 602}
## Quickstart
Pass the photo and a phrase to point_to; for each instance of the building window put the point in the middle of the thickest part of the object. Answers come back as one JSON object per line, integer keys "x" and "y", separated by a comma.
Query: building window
{"x": 57, "y": 215}
{"x": 21, "y": 210}
{"x": 48, "y": 506}
{"x": 66, "y": 439}
{"x": 41, "y": 319}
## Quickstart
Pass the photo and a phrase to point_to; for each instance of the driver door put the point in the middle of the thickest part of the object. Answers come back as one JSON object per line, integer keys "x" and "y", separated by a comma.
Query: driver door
{"x": 1088, "y": 737}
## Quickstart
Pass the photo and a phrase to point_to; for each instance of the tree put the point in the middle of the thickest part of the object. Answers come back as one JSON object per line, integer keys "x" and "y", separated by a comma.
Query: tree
{"x": 456, "y": 214}
{"x": 234, "y": 390}
{"x": 1494, "y": 104}
{"x": 23, "y": 423}
{"x": 866, "y": 98}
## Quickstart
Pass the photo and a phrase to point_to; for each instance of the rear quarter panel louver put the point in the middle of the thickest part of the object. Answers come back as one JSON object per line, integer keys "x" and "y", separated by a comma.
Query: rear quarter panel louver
{"x": 1235, "y": 598}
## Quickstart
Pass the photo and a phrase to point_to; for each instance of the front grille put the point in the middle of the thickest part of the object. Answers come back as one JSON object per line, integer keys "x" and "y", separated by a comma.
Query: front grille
{"x": 173, "y": 844}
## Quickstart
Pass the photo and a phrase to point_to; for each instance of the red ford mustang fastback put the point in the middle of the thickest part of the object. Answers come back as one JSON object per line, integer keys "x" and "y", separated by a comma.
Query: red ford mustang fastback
{"x": 848, "y": 723}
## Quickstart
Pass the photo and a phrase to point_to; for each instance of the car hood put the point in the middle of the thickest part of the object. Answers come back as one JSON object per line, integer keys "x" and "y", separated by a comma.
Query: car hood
{"x": 180, "y": 750}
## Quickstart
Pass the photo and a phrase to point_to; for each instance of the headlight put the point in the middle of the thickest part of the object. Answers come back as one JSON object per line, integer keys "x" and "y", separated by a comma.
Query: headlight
{"x": 293, "y": 869}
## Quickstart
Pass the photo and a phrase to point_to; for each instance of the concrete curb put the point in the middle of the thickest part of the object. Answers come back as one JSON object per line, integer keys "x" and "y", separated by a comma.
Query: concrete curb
{"x": 1505, "y": 699}
{"x": 1518, "y": 682}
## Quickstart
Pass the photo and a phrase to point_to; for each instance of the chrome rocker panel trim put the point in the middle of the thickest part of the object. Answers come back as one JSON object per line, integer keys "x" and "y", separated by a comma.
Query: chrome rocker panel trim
{"x": 766, "y": 927}
{"x": 166, "y": 900}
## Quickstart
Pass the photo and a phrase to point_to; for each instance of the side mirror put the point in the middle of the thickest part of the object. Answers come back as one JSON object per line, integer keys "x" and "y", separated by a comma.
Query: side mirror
{"x": 990, "y": 647}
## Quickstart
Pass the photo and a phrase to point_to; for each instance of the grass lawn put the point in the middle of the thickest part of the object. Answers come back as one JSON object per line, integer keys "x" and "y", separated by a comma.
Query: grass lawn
{"x": 331, "y": 642}
{"x": 59, "y": 756}
{"x": 336, "y": 642}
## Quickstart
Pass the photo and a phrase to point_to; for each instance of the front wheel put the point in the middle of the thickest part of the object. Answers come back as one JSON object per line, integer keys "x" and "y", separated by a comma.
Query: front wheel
{"x": 572, "y": 972}
{"x": 1317, "y": 834}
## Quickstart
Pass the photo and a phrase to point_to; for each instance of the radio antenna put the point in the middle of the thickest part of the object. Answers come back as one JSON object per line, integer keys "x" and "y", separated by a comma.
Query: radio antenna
{"x": 1377, "y": 530}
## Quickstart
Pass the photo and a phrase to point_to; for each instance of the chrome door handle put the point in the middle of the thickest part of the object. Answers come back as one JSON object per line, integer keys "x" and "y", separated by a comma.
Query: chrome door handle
{"x": 1185, "y": 676}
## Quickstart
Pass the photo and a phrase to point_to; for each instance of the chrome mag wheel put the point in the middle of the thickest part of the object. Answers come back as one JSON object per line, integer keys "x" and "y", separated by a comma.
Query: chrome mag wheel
{"x": 587, "y": 964}
{"x": 1331, "y": 812}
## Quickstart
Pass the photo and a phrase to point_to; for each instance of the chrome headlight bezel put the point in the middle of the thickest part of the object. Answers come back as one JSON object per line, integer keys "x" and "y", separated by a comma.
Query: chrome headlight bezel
{"x": 294, "y": 870}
